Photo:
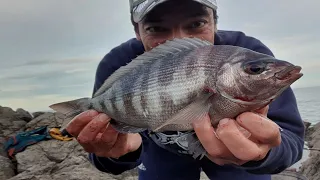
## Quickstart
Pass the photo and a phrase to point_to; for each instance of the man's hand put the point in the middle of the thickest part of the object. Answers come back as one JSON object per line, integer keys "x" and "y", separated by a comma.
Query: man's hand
{"x": 94, "y": 134}
{"x": 227, "y": 144}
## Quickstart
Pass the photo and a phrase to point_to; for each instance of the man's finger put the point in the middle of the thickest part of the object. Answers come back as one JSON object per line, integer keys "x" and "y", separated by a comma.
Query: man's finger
{"x": 261, "y": 128}
{"x": 88, "y": 148}
{"x": 120, "y": 147}
{"x": 206, "y": 134}
{"x": 263, "y": 111}
{"x": 108, "y": 139}
{"x": 239, "y": 145}
{"x": 134, "y": 141}
{"x": 80, "y": 121}
{"x": 222, "y": 162}
{"x": 91, "y": 130}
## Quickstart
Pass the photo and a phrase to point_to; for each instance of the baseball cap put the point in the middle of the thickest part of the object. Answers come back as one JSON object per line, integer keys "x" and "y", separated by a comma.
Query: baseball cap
{"x": 139, "y": 8}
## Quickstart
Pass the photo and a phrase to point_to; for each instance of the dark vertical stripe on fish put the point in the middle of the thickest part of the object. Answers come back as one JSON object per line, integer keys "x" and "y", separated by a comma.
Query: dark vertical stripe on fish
{"x": 144, "y": 88}
{"x": 103, "y": 105}
{"x": 90, "y": 105}
{"x": 166, "y": 101}
{"x": 128, "y": 105}
{"x": 165, "y": 80}
{"x": 113, "y": 104}
{"x": 191, "y": 68}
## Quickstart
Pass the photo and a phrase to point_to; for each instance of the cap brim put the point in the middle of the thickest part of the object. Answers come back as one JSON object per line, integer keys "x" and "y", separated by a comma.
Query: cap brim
{"x": 144, "y": 8}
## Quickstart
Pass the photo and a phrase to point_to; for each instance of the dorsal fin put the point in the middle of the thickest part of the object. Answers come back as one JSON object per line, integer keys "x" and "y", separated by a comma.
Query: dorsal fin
{"x": 169, "y": 47}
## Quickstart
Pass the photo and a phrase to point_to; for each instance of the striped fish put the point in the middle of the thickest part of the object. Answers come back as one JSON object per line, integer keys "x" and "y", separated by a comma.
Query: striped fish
{"x": 181, "y": 81}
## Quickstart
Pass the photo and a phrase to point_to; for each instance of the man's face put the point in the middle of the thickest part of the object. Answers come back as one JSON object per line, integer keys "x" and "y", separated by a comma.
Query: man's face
{"x": 176, "y": 19}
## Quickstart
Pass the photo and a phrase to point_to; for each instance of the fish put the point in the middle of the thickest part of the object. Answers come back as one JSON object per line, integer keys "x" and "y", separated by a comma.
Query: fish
{"x": 183, "y": 80}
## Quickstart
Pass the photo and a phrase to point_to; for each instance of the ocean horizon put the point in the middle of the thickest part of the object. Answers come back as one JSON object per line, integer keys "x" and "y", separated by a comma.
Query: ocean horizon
{"x": 308, "y": 101}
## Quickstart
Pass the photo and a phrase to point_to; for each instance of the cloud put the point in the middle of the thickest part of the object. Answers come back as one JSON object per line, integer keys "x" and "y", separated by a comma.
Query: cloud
{"x": 70, "y": 61}
{"x": 33, "y": 30}
{"x": 72, "y": 71}
{"x": 45, "y": 74}
{"x": 19, "y": 88}
{"x": 23, "y": 82}
{"x": 24, "y": 76}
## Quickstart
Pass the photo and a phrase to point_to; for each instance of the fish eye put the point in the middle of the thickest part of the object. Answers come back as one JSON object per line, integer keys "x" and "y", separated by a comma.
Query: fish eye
{"x": 254, "y": 68}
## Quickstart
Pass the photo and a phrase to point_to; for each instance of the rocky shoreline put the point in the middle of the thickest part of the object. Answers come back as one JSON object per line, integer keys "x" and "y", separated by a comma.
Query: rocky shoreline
{"x": 311, "y": 167}
{"x": 54, "y": 159}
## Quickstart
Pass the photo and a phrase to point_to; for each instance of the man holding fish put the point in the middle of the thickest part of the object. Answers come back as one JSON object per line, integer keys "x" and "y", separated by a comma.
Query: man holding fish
{"x": 251, "y": 145}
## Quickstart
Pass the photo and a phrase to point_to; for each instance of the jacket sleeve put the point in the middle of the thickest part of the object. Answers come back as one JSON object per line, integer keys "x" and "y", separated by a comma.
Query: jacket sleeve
{"x": 283, "y": 111}
{"x": 116, "y": 166}
{"x": 116, "y": 58}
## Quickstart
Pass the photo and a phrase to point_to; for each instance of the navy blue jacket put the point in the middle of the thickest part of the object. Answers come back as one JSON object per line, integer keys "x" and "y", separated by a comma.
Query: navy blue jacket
{"x": 155, "y": 162}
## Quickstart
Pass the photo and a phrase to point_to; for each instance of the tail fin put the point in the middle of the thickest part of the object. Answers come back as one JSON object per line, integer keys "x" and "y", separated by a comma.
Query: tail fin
{"x": 72, "y": 108}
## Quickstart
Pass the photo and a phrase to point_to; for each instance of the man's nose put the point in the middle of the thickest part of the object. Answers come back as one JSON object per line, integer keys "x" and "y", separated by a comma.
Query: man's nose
{"x": 179, "y": 33}
{"x": 175, "y": 33}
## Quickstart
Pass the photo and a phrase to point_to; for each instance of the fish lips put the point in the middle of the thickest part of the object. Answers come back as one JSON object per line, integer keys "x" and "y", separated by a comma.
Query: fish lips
{"x": 293, "y": 72}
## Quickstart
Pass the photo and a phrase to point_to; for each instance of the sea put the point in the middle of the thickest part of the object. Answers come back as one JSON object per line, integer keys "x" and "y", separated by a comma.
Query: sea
{"x": 308, "y": 101}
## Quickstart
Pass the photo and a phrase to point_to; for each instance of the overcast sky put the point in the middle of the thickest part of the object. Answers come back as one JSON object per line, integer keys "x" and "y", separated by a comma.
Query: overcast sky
{"x": 49, "y": 50}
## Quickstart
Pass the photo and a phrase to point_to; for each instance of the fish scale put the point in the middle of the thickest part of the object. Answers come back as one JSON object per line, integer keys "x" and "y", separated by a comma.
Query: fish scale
{"x": 182, "y": 81}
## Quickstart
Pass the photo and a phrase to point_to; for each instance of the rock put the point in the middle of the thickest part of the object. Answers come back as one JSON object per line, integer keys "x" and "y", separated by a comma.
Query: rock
{"x": 46, "y": 119}
{"x": 55, "y": 159}
{"x": 10, "y": 122}
{"x": 6, "y": 110}
{"x": 36, "y": 114}
{"x": 315, "y": 136}
{"x": 50, "y": 159}
{"x": 6, "y": 168}
{"x": 311, "y": 166}
{"x": 289, "y": 175}
{"x": 24, "y": 115}
{"x": 2, "y": 151}
{"x": 309, "y": 130}
{"x": 307, "y": 124}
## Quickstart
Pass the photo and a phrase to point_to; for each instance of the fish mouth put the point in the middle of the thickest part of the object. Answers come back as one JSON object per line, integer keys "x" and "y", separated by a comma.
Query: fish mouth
{"x": 293, "y": 72}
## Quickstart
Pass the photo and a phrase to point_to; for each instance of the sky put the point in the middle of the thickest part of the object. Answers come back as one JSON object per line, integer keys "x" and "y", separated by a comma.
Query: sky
{"x": 49, "y": 50}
